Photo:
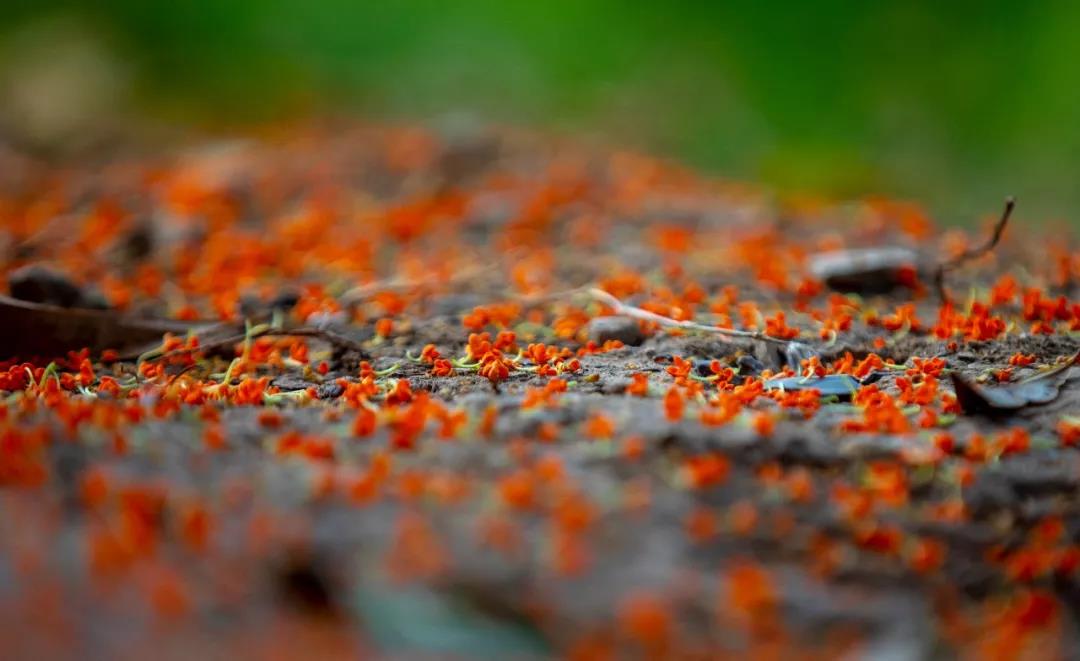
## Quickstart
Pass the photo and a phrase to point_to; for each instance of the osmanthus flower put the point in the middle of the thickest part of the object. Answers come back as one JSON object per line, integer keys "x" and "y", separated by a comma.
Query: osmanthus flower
{"x": 1004, "y": 290}
{"x": 541, "y": 354}
{"x": 1037, "y": 308}
{"x": 495, "y": 367}
{"x": 517, "y": 490}
{"x": 846, "y": 365}
{"x": 674, "y": 404}
{"x": 249, "y": 391}
{"x": 571, "y": 365}
{"x": 442, "y": 367}
{"x": 887, "y": 481}
{"x": 812, "y": 367}
{"x": 357, "y": 393}
{"x": 923, "y": 394}
{"x": 599, "y": 426}
{"x": 639, "y": 385}
{"x": 799, "y": 485}
{"x": 23, "y": 461}
{"x": 623, "y": 284}
{"x": 429, "y": 354}
{"x": 591, "y": 347}
{"x": 880, "y": 414}
{"x": 571, "y": 511}
{"x": 977, "y": 448}
{"x": 401, "y": 393}
{"x": 1021, "y": 359}
{"x": 1068, "y": 430}
{"x": 903, "y": 317}
{"x": 679, "y": 368}
{"x": 450, "y": 421}
{"x": 310, "y": 447}
{"x": 506, "y": 341}
{"x": 879, "y": 537}
{"x": 925, "y": 556}
{"x": 706, "y": 470}
{"x": 545, "y": 396}
{"x": 776, "y": 326}
{"x": 927, "y": 367}
{"x": 646, "y": 619}
{"x": 750, "y": 594}
{"x": 702, "y": 524}
{"x": 478, "y": 346}
{"x": 416, "y": 552}
{"x": 1013, "y": 441}
{"x": 365, "y": 422}
{"x": 384, "y": 327}
{"x": 806, "y": 401}
{"x": 500, "y": 315}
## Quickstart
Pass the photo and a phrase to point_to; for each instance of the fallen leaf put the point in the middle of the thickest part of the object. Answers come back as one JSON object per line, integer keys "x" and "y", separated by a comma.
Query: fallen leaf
{"x": 842, "y": 386}
{"x": 1041, "y": 388}
{"x": 421, "y": 621}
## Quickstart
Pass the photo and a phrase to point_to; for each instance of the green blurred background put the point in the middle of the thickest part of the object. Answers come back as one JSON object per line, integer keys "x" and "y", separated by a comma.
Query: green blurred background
{"x": 955, "y": 104}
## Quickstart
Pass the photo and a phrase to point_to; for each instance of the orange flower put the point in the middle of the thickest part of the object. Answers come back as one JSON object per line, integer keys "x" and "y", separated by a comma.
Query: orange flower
{"x": 645, "y": 619}
{"x": 517, "y": 490}
{"x": 599, "y": 426}
{"x": 751, "y": 593}
{"x": 680, "y": 368}
{"x": 1021, "y": 360}
{"x": 442, "y": 367}
{"x": 384, "y": 327}
{"x": 1069, "y": 432}
{"x": 706, "y": 470}
{"x": 776, "y": 326}
{"x": 702, "y": 524}
{"x": 494, "y": 367}
{"x": 429, "y": 354}
{"x": 674, "y": 404}
{"x": 763, "y": 424}
{"x": 365, "y": 422}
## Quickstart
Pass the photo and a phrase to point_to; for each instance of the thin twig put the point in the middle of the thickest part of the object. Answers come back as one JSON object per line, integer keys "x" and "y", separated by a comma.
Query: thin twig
{"x": 625, "y": 310}
{"x": 968, "y": 255}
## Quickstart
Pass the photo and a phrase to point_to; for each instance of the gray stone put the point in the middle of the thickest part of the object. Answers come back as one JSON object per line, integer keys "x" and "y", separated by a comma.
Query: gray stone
{"x": 40, "y": 284}
{"x": 624, "y": 329}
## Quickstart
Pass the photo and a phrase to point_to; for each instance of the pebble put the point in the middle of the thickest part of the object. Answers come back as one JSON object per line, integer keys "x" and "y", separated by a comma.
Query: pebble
{"x": 624, "y": 329}
{"x": 289, "y": 383}
{"x": 749, "y": 366}
{"x": 330, "y": 390}
{"x": 990, "y": 493}
{"x": 40, "y": 284}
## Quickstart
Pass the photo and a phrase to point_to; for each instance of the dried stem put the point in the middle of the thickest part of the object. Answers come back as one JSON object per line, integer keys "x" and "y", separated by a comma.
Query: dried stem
{"x": 625, "y": 310}
{"x": 974, "y": 253}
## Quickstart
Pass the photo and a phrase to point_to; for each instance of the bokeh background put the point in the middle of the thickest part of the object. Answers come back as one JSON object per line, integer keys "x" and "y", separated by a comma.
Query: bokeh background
{"x": 954, "y": 104}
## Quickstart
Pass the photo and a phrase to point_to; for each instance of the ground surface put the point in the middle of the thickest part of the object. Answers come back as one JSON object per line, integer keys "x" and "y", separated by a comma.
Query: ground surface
{"x": 433, "y": 438}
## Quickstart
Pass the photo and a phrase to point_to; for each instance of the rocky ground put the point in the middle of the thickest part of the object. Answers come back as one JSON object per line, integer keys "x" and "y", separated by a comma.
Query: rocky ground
{"x": 479, "y": 396}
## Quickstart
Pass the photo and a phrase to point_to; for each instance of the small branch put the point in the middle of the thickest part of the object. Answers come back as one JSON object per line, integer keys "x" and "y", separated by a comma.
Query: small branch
{"x": 974, "y": 253}
{"x": 625, "y": 310}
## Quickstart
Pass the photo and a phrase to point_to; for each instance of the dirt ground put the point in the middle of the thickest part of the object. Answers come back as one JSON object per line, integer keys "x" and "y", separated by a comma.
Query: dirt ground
{"x": 394, "y": 419}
